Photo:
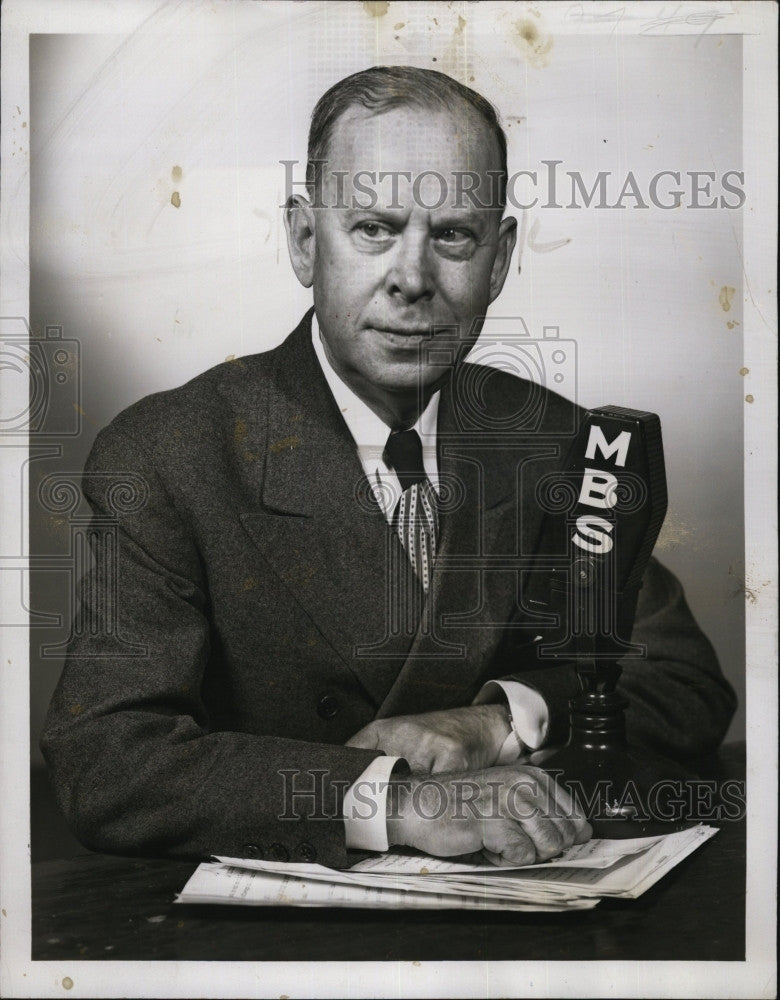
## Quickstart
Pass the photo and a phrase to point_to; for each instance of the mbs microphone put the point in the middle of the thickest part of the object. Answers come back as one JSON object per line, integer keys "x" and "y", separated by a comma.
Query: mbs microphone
{"x": 613, "y": 484}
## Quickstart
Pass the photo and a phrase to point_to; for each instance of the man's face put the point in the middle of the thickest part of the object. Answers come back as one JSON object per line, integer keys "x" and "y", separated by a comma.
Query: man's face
{"x": 384, "y": 277}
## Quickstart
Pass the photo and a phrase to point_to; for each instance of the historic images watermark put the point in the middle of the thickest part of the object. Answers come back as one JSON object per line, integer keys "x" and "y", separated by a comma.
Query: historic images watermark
{"x": 432, "y": 797}
{"x": 50, "y": 415}
{"x": 548, "y": 186}
{"x": 50, "y": 365}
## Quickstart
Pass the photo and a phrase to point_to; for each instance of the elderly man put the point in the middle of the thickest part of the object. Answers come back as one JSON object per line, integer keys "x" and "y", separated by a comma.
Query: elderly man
{"x": 309, "y": 622}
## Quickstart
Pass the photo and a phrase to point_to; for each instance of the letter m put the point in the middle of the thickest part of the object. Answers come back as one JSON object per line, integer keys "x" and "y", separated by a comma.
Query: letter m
{"x": 598, "y": 440}
{"x": 587, "y": 196}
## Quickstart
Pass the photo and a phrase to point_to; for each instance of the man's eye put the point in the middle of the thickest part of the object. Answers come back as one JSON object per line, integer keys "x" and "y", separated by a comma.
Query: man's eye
{"x": 373, "y": 230}
{"x": 453, "y": 236}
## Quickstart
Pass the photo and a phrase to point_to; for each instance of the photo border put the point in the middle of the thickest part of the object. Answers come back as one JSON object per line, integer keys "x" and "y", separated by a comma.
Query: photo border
{"x": 757, "y": 22}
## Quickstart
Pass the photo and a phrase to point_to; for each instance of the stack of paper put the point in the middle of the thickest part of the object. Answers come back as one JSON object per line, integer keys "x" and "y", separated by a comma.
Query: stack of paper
{"x": 577, "y": 879}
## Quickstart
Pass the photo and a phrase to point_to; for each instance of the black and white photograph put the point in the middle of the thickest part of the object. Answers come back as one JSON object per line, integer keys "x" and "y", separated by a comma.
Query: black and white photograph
{"x": 388, "y": 424}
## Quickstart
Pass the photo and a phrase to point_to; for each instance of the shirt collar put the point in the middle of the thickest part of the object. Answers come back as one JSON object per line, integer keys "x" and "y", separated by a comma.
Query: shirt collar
{"x": 368, "y": 430}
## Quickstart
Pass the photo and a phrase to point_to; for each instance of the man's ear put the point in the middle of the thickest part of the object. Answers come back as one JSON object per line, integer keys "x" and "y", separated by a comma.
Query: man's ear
{"x": 507, "y": 237}
{"x": 299, "y": 225}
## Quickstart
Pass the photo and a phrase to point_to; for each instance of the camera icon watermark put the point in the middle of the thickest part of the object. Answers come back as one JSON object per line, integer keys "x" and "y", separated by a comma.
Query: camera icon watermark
{"x": 40, "y": 380}
{"x": 484, "y": 402}
{"x": 543, "y": 363}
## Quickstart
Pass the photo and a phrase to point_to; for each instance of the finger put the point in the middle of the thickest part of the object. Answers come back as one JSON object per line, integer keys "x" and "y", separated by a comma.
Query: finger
{"x": 419, "y": 753}
{"x": 506, "y": 845}
{"x": 450, "y": 760}
{"x": 584, "y": 834}
{"x": 567, "y": 829}
{"x": 419, "y": 763}
{"x": 366, "y": 738}
{"x": 545, "y": 835}
{"x": 531, "y": 804}
{"x": 574, "y": 832}
{"x": 563, "y": 807}
{"x": 564, "y": 811}
{"x": 567, "y": 807}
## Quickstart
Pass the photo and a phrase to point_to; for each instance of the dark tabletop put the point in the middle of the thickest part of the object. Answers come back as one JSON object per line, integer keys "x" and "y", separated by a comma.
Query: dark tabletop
{"x": 98, "y": 906}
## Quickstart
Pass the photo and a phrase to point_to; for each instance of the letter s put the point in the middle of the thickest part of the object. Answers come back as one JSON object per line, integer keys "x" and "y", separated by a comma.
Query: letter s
{"x": 598, "y": 529}
{"x": 738, "y": 191}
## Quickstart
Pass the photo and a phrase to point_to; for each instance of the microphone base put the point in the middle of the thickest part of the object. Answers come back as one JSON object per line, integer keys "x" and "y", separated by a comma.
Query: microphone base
{"x": 624, "y": 791}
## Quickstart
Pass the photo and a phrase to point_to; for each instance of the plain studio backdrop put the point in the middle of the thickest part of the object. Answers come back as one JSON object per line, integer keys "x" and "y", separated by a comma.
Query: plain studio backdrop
{"x": 156, "y": 238}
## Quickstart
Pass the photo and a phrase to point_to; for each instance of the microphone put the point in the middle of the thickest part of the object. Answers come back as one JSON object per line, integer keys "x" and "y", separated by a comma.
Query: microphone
{"x": 603, "y": 513}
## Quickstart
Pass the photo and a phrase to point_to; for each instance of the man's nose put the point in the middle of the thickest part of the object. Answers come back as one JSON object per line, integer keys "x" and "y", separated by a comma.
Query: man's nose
{"x": 410, "y": 277}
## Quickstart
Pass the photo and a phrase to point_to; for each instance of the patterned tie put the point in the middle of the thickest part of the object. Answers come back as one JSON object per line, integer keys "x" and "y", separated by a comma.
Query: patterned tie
{"x": 415, "y": 518}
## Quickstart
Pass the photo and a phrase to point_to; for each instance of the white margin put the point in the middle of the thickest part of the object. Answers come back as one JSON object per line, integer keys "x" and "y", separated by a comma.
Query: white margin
{"x": 19, "y": 977}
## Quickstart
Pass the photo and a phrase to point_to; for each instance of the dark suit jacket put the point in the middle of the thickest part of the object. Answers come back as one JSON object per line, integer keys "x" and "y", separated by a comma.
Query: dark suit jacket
{"x": 251, "y": 602}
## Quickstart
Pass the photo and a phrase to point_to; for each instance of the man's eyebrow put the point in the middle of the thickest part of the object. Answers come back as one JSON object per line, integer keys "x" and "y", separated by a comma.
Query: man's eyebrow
{"x": 375, "y": 211}
{"x": 448, "y": 218}
{"x": 444, "y": 218}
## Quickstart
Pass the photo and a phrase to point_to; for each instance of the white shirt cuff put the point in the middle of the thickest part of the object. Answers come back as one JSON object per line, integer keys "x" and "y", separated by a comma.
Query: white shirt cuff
{"x": 365, "y": 807}
{"x": 530, "y": 717}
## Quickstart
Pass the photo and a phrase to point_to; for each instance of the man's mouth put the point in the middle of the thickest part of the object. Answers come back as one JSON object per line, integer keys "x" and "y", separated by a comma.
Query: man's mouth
{"x": 409, "y": 333}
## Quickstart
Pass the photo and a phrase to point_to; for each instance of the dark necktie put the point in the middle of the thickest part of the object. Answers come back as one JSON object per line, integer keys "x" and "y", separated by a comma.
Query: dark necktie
{"x": 415, "y": 517}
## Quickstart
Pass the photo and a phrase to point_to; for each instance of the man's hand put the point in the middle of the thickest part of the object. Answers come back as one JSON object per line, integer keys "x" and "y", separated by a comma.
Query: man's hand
{"x": 515, "y": 815}
{"x": 461, "y": 739}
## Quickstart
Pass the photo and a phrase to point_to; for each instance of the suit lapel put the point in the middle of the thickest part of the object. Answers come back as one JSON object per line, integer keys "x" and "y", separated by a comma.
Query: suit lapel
{"x": 470, "y": 600}
{"x": 317, "y": 524}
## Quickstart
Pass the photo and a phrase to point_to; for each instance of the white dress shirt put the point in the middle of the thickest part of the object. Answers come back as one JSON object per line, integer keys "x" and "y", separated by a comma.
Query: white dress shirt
{"x": 371, "y": 432}
{"x": 364, "y": 804}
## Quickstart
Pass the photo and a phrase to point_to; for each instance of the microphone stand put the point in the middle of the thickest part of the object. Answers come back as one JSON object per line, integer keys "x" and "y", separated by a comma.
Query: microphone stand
{"x": 625, "y": 791}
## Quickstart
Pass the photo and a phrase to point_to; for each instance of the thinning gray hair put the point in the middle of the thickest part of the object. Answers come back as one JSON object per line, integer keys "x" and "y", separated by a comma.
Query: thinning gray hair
{"x": 381, "y": 88}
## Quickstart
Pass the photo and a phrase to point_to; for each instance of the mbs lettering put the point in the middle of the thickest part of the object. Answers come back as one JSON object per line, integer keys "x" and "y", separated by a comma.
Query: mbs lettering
{"x": 599, "y": 490}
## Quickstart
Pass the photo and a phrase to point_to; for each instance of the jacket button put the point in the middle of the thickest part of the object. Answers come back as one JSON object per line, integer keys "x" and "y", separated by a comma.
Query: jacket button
{"x": 306, "y": 852}
{"x": 251, "y": 851}
{"x": 328, "y": 707}
{"x": 278, "y": 852}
